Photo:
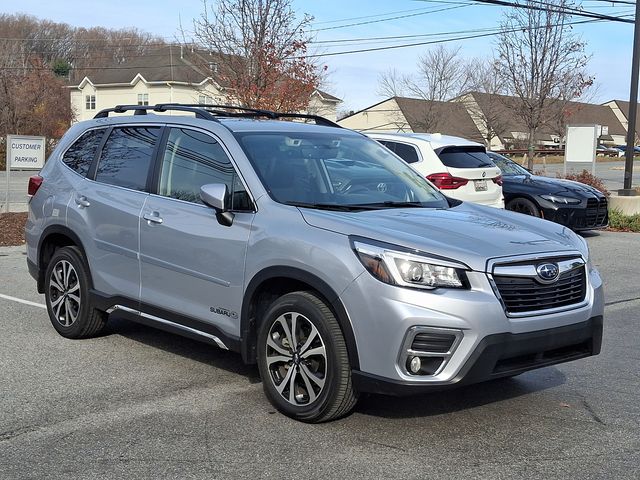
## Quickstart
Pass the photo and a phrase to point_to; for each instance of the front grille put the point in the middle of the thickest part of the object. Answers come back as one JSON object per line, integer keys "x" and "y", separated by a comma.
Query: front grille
{"x": 597, "y": 212}
{"x": 524, "y": 294}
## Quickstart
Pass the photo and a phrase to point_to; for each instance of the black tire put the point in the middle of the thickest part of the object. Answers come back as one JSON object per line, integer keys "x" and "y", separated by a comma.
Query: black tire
{"x": 73, "y": 315}
{"x": 336, "y": 397}
{"x": 523, "y": 205}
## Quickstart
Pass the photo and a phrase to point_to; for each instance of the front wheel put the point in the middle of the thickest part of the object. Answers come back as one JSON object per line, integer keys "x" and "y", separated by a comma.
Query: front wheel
{"x": 303, "y": 361}
{"x": 523, "y": 205}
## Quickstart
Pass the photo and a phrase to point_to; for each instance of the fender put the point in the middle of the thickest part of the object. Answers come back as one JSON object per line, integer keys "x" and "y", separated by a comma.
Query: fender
{"x": 248, "y": 328}
{"x": 47, "y": 232}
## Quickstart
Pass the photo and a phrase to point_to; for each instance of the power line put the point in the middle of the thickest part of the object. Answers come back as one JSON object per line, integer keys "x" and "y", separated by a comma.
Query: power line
{"x": 384, "y": 14}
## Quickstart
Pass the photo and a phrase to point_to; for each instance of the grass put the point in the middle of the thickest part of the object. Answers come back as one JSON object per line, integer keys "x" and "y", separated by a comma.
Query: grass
{"x": 624, "y": 223}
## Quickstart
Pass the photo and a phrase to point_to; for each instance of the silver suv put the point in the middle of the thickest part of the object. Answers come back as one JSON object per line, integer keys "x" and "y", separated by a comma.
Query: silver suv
{"x": 310, "y": 249}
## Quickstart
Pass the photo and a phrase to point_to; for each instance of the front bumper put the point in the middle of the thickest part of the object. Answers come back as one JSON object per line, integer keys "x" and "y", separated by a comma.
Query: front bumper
{"x": 578, "y": 217}
{"x": 503, "y": 355}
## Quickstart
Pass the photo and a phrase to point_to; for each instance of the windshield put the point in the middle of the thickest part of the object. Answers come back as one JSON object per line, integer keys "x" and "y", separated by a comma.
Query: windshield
{"x": 335, "y": 171}
{"x": 507, "y": 166}
{"x": 464, "y": 157}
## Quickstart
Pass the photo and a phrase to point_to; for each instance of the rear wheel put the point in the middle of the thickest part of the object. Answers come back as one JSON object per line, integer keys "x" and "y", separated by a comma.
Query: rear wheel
{"x": 303, "y": 361}
{"x": 523, "y": 205}
{"x": 67, "y": 285}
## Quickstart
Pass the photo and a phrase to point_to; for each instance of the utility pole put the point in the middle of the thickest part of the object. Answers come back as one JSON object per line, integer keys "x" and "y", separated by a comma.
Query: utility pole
{"x": 627, "y": 191}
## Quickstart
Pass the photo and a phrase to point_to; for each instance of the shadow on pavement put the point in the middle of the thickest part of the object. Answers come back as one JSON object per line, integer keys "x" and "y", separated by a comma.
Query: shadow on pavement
{"x": 185, "y": 347}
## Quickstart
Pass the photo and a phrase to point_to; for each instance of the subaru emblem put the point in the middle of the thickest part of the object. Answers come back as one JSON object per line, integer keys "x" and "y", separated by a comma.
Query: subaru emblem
{"x": 548, "y": 272}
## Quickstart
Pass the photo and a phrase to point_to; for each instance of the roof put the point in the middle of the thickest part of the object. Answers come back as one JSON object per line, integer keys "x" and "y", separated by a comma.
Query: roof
{"x": 576, "y": 113}
{"x": 436, "y": 140}
{"x": 624, "y": 108}
{"x": 158, "y": 64}
{"x": 452, "y": 118}
{"x": 327, "y": 96}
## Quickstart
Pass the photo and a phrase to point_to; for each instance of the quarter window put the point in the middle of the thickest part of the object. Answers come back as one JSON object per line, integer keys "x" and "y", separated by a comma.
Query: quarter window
{"x": 192, "y": 159}
{"x": 80, "y": 155}
{"x": 406, "y": 152}
{"x": 90, "y": 102}
{"x": 126, "y": 157}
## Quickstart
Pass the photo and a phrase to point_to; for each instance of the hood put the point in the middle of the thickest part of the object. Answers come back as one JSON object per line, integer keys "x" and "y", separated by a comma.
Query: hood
{"x": 468, "y": 233}
{"x": 554, "y": 186}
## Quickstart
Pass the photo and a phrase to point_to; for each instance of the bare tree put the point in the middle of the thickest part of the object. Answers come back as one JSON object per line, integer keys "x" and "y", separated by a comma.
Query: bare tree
{"x": 260, "y": 48}
{"x": 441, "y": 75}
{"x": 540, "y": 61}
{"x": 485, "y": 100}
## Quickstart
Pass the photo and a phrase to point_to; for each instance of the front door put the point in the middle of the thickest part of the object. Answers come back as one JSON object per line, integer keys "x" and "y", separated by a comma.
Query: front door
{"x": 191, "y": 265}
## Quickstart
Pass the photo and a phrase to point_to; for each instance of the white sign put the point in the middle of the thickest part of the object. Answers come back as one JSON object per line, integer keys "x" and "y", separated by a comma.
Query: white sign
{"x": 25, "y": 153}
{"x": 581, "y": 142}
{"x": 604, "y": 130}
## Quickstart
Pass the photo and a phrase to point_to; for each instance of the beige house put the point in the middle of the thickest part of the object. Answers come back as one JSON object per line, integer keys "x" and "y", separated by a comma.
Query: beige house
{"x": 411, "y": 115}
{"x": 620, "y": 109}
{"x": 168, "y": 74}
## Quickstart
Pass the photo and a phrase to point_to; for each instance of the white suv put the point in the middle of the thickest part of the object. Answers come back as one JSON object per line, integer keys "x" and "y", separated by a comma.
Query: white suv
{"x": 459, "y": 167}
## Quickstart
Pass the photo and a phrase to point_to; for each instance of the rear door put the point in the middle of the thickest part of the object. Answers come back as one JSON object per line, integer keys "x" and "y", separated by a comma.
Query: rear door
{"x": 192, "y": 266}
{"x": 472, "y": 163}
{"x": 107, "y": 208}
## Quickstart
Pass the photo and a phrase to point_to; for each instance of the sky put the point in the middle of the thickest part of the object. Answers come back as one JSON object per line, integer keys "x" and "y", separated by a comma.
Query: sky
{"x": 354, "y": 77}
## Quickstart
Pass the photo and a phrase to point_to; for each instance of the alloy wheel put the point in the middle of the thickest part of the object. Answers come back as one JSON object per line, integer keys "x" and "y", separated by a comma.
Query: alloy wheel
{"x": 296, "y": 359}
{"x": 64, "y": 293}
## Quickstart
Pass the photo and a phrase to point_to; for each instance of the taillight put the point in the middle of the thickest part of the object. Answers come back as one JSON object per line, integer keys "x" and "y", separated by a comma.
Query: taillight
{"x": 34, "y": 184}
{"x": 445, "y": 181}
{"x": 497, "y": 180}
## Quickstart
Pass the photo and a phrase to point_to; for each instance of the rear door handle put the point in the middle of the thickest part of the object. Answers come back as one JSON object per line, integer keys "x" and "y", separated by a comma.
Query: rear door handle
{"x": 152, "y": 217}
{"x": 82, "y": 201}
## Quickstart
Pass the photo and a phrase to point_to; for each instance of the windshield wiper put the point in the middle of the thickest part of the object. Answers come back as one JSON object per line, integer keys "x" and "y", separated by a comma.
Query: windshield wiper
{"x": 329, "y": 206}
{"x": 389, "y": 204}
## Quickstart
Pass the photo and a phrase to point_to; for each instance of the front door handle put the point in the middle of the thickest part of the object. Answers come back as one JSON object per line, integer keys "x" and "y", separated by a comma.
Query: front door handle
{"x": 82, "y": 201}
{"x": 152, "y": 217}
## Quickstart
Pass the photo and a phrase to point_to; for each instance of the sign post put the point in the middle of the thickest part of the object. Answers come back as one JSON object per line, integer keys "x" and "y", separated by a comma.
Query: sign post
{"x": 23, "y": 153}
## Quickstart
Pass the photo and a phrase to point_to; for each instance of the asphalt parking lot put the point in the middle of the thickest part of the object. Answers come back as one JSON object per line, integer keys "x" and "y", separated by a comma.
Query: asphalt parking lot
{"x": 139, "y": 403}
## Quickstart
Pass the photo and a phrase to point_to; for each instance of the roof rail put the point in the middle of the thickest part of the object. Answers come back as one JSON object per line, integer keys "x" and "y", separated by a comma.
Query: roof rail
{"x": 210, "y": 112}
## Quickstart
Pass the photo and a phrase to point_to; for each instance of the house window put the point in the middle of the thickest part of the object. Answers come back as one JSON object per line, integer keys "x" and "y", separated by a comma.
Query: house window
{"x": 205, "y": 100}
{"x": 143, "y": 99}
{"x": 90, "y": 102}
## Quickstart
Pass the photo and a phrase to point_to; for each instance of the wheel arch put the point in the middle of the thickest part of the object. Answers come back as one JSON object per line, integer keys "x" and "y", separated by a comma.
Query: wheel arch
{"x": 273, "y": 282}
{"x": 52, "y": 238}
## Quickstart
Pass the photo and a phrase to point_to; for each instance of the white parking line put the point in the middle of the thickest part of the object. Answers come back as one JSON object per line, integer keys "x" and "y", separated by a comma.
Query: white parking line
{"x": 20, "y": 300}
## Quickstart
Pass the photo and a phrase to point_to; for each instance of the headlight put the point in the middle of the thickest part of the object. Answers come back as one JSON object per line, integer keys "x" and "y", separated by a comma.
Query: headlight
{"x": 563, "y": 200}
{"x": 405, "y": 269}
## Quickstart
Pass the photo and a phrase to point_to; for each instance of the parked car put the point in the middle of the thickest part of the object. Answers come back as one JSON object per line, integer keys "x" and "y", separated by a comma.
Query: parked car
{"x": 457, "y": 166}
{"x": 311, "y": 250}
{"x": 573, "y": 204}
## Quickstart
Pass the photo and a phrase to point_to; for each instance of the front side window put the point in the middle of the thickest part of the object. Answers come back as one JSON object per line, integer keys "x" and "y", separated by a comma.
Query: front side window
{"x": 143, "y": 99}
{"x": 80, "y": 155}
{"x": 335, "y": 170}
{"x": 126, "y": 157}
{"x": 193, "y": 159}
{"x": 90, "y": 102}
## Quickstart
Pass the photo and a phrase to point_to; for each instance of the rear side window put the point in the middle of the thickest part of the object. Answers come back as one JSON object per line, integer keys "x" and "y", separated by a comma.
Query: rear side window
{"x": 406, "y": 152}
{"x": 80, "y": 155}
{"x": 192, "y": 159}
{"x": 126, "y": 157}
{"x": 464, "y": 157}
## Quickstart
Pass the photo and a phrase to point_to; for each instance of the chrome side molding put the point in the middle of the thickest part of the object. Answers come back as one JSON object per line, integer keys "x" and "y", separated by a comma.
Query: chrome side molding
{"x": 164, "y": 321}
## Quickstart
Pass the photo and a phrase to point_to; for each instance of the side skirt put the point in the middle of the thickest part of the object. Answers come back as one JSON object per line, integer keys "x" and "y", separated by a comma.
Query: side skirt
{"x": 166, "y": 320}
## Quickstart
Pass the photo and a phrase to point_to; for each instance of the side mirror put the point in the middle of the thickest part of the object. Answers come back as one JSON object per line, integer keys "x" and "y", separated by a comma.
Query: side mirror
{"x": 214, "y": 195}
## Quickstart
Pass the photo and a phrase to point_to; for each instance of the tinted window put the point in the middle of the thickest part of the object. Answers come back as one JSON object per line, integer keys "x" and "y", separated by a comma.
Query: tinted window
{"x": 80, "y": 155}
{"x": 464, "y": 157}
{"x": 406, "y": 152}
{"x": 192, "y": 159}
{"x": 126, "y": 157}
{"x": 507, "y": 166}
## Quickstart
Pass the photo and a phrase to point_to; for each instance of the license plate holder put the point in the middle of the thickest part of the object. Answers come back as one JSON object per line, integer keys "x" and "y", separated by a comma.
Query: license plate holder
{"x": 481, "y": 185}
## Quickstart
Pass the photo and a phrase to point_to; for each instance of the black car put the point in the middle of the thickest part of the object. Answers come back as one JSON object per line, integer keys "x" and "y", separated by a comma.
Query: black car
{"x": 574, "y": 204}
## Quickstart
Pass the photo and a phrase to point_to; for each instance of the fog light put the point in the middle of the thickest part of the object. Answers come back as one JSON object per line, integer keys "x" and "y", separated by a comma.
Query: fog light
{"x": 415, "y": 364}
